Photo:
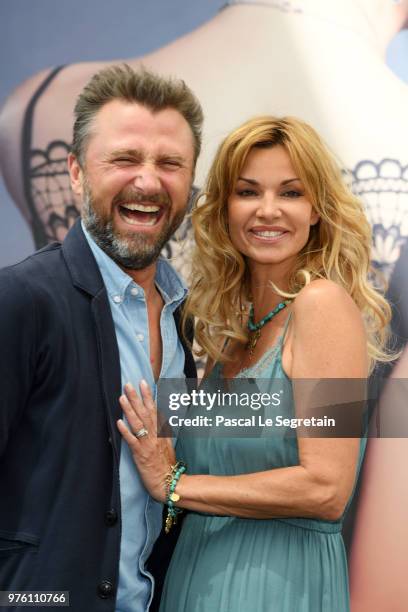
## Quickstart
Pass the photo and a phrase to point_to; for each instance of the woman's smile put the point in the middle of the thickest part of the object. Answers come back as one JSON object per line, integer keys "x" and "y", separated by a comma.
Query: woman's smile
{"x": 269, "y": 235}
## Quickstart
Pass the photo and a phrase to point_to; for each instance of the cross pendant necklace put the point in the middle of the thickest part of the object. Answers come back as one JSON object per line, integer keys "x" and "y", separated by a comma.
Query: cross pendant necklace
{"x": 252, "y": 341}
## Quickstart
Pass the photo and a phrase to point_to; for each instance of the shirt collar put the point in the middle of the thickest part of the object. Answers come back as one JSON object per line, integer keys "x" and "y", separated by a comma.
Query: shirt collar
{"x": 170, "y": 284}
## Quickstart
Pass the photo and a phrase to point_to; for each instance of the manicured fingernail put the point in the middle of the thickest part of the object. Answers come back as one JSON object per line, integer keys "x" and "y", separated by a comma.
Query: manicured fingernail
{"x": 143, "y": 383}
{"x": 129, "y": 386}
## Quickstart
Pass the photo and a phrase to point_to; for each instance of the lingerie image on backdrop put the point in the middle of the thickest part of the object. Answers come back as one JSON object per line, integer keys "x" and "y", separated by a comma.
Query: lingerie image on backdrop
{"x": 281, "y": 295}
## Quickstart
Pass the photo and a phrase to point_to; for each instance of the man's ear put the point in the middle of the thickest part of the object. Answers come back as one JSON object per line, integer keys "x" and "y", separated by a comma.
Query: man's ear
{"x": 76, "y": 175}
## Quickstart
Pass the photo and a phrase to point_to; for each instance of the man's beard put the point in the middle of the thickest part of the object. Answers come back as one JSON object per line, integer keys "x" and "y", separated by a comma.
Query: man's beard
{"x": 133, "y": 251}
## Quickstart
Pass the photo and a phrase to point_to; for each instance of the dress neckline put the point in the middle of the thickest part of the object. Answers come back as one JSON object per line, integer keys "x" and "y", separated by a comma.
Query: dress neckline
{"x": 259, "y": 365}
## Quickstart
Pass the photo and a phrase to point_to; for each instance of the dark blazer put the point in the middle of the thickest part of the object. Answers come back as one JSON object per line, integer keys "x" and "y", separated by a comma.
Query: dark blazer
{"x": 59, "y": 446}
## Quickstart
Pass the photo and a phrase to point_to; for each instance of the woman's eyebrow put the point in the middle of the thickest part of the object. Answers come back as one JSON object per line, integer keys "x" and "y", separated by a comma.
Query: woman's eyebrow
{"x": 247, "y": 180}
{"x": 291, "y": 180}
{"x": 254, "y": 182}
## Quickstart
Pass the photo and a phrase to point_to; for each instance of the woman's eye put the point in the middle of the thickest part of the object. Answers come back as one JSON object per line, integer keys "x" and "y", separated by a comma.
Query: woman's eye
{"x": 246, "y": 193}
{"x": 292, "y": 194}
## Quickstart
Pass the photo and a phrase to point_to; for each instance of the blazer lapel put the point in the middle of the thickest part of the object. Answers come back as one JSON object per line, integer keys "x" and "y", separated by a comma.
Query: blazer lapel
{"x": 86, "y": 276}
{"x": 109, "y": 364}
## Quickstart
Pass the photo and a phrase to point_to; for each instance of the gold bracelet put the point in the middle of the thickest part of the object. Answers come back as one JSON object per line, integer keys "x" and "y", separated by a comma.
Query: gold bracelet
{"x": 172, "y": 497}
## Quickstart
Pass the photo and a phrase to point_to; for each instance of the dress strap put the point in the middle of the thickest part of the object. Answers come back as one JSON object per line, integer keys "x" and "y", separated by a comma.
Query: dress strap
{"x": 285, "y": 328}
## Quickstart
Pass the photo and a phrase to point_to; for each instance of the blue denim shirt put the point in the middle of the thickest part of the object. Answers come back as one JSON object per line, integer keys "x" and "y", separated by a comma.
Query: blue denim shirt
{"x": 141, "y": 515}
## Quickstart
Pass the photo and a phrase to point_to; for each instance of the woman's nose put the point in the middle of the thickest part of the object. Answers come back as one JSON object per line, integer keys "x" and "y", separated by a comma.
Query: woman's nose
{"x": 269, "y": 206}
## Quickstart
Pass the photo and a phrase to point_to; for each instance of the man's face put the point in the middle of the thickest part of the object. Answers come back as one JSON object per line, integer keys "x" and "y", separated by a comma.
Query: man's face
{"x": 136, "y": 180}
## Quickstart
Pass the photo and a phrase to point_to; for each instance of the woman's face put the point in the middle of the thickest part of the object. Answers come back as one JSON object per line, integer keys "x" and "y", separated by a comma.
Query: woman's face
{"x": 269, "y": 214}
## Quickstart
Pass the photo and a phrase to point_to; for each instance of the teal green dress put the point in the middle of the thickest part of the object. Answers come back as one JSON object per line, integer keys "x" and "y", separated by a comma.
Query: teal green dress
{"x": 229, "y": 564}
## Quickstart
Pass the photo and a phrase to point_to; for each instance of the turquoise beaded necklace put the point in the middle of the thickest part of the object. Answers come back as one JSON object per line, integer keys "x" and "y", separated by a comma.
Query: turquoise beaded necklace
{"x": 255, "y": 328}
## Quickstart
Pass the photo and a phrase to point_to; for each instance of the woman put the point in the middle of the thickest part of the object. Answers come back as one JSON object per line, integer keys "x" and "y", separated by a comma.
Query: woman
{"x": 280, "y": 293}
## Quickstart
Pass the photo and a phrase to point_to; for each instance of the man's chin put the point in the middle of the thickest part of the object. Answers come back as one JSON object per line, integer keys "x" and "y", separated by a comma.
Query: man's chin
{"x": 135, "y": 254}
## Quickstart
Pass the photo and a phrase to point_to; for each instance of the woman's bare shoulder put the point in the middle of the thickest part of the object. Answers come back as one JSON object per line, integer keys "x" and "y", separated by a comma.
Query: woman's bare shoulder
{"x": 327, "y": 329}
{"x": 325, "y": 298}
{"x": 322, "y": 290}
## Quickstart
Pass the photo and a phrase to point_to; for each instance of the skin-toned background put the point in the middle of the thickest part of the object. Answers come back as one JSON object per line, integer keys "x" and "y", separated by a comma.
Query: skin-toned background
{"x": 46, "y": 33}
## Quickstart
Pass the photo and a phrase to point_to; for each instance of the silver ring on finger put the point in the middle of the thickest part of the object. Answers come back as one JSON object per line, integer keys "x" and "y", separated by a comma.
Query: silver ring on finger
{"x": 141, "y": 433}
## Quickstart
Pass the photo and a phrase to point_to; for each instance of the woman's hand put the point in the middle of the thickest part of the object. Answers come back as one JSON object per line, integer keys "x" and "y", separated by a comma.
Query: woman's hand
{"x": 153, "y": 456}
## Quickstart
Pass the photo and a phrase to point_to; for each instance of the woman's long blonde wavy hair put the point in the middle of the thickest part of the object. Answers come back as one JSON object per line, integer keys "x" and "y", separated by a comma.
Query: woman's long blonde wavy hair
{"x": 338, "y": 248}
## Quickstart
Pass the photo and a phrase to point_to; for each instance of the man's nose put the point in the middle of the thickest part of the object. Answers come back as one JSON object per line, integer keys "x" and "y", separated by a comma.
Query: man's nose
{"x": 147, "y": 178}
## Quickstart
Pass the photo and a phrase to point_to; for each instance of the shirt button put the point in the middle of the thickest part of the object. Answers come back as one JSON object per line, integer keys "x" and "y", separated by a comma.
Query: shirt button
{"x": 105, "y": 589}
{"x": 111, "y": 517}
{"x": 117, "y": 299}
{"x": 134, "y": 291}
{"x": 140, "y": 337}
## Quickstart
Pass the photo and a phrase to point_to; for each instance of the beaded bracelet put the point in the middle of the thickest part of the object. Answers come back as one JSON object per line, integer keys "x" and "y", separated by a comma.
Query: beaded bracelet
{"x": 172, "y": 497}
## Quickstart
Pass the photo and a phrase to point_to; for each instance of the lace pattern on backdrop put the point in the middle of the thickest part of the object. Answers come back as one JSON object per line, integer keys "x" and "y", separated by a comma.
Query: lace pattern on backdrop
{"x": 383, "y": 188}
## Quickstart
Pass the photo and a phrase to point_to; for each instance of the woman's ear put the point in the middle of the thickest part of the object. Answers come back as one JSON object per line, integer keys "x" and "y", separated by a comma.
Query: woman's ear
{"x": 314, "y": 217}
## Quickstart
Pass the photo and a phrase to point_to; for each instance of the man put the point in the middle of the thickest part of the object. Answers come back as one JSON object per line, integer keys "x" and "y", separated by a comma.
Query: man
{"x": 77, "y": 322}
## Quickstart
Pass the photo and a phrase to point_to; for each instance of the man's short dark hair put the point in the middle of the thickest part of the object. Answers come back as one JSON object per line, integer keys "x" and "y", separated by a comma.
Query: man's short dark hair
{"x": 121, "y": 82}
